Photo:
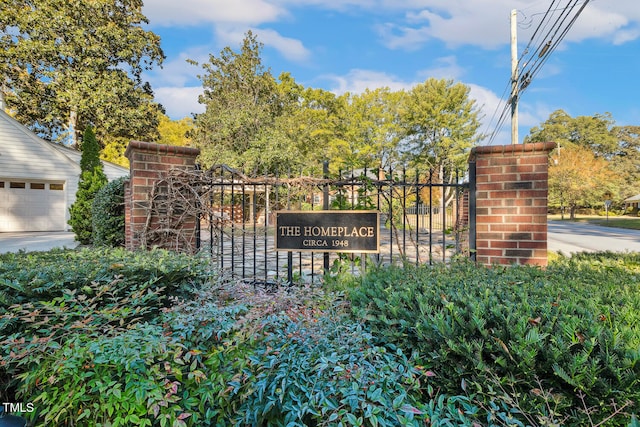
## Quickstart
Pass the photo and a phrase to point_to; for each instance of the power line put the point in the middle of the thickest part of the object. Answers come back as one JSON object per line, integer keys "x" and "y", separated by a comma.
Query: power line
{"x": 550, "y": 31}
{"x": 551, "y": 45}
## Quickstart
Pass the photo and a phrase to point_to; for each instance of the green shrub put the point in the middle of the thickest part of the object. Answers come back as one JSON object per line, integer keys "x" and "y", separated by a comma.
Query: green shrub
{"x": 111, "y": 338}
{"x": 318, "y": 373}
{"x": 107, "y": 214}
{"x": 138, "y": 373}
{"x": 106, "y": 337}
{"x": 573, "y": 328}
{"x": 103, "y": 380}
{"x": 92, "y": 178}
{"x": 46, "y": 298}
{"x": 80, "y": 211}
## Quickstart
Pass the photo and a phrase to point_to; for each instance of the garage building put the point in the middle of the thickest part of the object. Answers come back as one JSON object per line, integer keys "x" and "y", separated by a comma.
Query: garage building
{"x": 38, "y": 179}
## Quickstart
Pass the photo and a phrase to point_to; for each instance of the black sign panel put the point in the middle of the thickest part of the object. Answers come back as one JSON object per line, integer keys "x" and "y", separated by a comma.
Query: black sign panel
{"x": 328, "y": 231}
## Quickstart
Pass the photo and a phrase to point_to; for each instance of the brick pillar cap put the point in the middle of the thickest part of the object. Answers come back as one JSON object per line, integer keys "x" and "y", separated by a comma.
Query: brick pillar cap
{"x": 160, "y": 149}
{"x": 512, "y": 149}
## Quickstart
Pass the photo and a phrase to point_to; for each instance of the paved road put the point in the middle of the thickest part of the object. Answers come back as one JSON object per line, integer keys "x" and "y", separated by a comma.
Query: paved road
{"x": 36, "y": 241}
{"x": 570, "y": 237}
{"x": 563, "y": 236}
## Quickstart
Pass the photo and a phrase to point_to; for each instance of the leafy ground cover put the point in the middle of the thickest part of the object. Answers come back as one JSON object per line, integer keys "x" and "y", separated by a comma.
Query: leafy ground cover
{"x": 560, "y": 345}
{"x": 105, "y": 337}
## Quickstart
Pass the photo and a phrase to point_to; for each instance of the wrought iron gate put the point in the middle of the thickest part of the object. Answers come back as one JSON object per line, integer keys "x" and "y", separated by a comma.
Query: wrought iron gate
{"x": 422, "y": 221}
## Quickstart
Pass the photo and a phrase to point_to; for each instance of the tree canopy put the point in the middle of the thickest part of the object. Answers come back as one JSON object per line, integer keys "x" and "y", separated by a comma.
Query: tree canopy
{"x": 594, "y": 157}
{"x": 257, "y": 122}
{"x": 241, "y": 100}
{"x": 592, "y": 132}
{"x": 577, "y": 178}
{"x": 441, "y": 123}
{"x": 67, "y": 64}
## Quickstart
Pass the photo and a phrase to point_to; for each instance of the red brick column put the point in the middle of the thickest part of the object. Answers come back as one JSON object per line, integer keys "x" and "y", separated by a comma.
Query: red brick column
{"x": 147, "y": 164}
{"x": 511, "y": 203}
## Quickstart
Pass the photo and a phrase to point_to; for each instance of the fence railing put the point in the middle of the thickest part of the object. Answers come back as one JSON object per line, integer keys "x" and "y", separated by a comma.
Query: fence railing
{"x": 420, "y": 221}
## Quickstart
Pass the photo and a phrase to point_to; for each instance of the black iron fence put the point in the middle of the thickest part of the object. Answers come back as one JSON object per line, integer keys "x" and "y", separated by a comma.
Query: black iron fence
{"x": 421, "y": 220}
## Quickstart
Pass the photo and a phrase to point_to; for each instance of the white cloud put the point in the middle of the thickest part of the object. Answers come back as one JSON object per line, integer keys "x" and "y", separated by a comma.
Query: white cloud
{"x": 445, "y": 68}
{"x": 179, "y": 102}
{"x": 482, "y": 23}
{"x": 485, "y": 23}
{"x": 289, "y": 48}
{"x": 624, "y": 36}
{"x": 617, "y": 21}
{"x": 177, "y": 71}
{"x": 196, "y": 12}
{"x": 490, "y": 107}
{"x": 357, "y": 81}
{"x": 534, "y": 115}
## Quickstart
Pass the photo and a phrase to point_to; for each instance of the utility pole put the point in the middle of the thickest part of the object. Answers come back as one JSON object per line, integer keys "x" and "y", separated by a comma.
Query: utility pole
{"x": 514, "y": 76}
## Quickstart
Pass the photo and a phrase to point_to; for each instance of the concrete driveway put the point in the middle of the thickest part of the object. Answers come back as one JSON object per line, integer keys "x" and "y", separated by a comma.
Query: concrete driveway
{"x": 36, "y": 241}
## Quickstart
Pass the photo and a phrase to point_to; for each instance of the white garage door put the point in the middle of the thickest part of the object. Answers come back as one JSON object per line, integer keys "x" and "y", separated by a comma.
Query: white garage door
{"x": 32, "y": 206}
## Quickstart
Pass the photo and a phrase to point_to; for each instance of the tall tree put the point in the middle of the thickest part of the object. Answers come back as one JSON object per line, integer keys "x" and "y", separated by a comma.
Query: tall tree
{"x": 67, "y": 64}
{"x": 304, "y": 131}
{"x": 592, "y": 132}
{"x": 618, "y": 147}
{"x": 441, "y": 126}
{"x": 371, "y": 129}
{"x": 577, "y": 178}
{"x": 626, "y": 163}
{"x": 92, "y": 179}
{"x": 241, "y": 100}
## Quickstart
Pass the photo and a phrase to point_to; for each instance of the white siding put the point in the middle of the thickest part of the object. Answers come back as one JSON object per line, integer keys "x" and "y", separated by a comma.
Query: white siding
{"x": 111, "y": 170}
{"x": 26, "y": 158}
{"x": 24, "y": 155}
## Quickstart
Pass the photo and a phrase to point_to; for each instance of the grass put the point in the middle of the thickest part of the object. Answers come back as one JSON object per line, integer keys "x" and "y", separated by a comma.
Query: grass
{"x": 631, "y": 222}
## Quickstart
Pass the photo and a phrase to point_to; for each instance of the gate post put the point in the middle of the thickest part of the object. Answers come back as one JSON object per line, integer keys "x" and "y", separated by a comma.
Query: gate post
{"x": 149, "y": 163}
{"x": 511, "y": 198}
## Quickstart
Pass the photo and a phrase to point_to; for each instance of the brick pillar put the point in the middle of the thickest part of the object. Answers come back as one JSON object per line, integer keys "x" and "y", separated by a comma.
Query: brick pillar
{"x": 147, "y": 164}
{"x": 511, "y": 191}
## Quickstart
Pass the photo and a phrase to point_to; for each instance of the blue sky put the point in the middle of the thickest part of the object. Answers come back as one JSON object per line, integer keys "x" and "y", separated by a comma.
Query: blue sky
{"x": 351, "y": 45}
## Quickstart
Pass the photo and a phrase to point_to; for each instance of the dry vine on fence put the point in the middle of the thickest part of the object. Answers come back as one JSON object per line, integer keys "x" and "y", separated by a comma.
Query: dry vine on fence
{"x": 183, "y": 197}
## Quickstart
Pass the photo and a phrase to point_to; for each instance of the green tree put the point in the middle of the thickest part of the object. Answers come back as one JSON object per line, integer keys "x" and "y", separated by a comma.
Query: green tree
{"x": 371, "y": 129}
{"x": 174, "y": 132}
{"x": 592, "y": 132}
{"x": 626, "y": 163}
{"x": 303, "y": 132}
{"x": 107, "y": 213}
{"x": 114, "y": 149}
{"x": 441, "y": 125}
{"x": 597, "y": 135}
{"x": 70, "y": 63}
{"x": 577, "y": 178}
{"x": 92, "y": 179}
{"x": 241, "y": 100}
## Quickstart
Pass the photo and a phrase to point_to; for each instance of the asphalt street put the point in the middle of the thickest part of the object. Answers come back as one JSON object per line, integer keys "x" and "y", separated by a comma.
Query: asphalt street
{"x": 571, "y": 237}
{"x": 563, "y": 236}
